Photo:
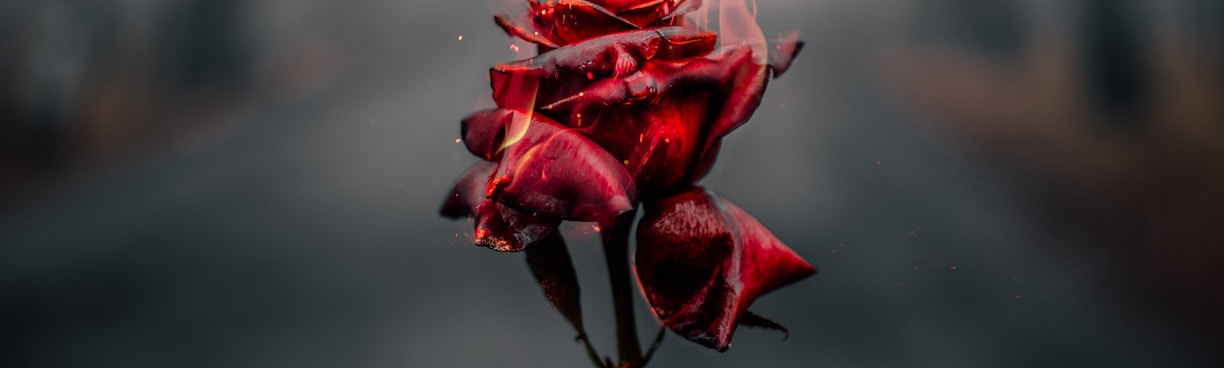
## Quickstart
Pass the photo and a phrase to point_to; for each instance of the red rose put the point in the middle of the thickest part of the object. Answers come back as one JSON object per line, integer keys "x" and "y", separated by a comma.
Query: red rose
{"x": 629, "y": 101}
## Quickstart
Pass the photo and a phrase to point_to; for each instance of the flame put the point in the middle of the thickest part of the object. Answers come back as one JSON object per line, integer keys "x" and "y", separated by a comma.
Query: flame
{"x": 738, "y": 26}
{"x": 523, "y": 91}
{"x": 701, "y": 16}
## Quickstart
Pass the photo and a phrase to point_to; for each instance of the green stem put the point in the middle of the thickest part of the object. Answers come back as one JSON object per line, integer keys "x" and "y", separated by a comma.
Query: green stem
{"x": 616, "y": 254}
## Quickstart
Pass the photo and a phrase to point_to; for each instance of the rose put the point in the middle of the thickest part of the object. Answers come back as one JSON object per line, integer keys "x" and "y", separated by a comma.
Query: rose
{"x": 629, "y": 101}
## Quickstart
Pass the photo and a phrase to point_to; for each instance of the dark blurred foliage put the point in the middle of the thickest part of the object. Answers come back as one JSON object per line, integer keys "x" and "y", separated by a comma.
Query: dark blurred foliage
{"x": 89, "y": 83}
{"x": 1112, "y": 117}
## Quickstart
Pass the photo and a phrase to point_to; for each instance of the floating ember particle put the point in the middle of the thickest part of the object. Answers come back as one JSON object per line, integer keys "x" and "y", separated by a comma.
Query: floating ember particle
{"x": 515, "y": 48}
{"x": 461, "y": 37}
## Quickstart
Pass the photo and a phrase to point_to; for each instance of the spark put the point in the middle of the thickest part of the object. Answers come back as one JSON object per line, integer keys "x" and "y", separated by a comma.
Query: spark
{"x": 515, "y": 48}
{"x": 461, "y": 37}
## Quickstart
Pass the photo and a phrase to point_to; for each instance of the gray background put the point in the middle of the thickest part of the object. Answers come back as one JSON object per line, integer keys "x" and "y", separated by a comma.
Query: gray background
{"x": 284, "y": 211}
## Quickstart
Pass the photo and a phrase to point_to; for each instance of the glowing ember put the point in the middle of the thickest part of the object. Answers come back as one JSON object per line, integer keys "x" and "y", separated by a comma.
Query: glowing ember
{"x": 514, "y": 47}
{"x": 461, "y": 37}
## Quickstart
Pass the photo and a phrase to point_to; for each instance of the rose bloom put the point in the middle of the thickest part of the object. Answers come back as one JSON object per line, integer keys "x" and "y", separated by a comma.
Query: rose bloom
{"x": 628, "y": 102}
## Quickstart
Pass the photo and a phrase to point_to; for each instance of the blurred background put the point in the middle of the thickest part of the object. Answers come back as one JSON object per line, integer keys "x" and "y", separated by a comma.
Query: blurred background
{"x": 223, "y": 183}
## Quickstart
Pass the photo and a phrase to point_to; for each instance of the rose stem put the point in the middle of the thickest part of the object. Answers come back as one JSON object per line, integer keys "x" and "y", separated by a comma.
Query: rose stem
{"x": 616, "y": 253}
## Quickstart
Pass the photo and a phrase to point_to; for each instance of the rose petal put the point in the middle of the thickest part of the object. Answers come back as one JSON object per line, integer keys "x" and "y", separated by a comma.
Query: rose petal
{"x": 618, "y": 5}
{"x": 504, "y": 229}
{"x": 664, "y": 120}
{"x": 647, "y": 13}
{"x": 782, "y": 52}
{"x": 550, "y": 263}
{"x": 701, "y": 261}
{"x": 610, "y": 53}
{"x": 519, "y": 22}
{"x": 498, "y": 227}
{"x": 554, "y": 172}
{"x": 745, "y": 81}
{"x": 561, "y": 22}
{"x": 484, "y": 132}
{"x": 468, "y": 191}
{"x": 569, "y": 70}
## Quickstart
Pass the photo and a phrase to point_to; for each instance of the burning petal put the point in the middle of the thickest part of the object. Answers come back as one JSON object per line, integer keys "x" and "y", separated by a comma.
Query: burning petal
{"x": 498, "y": 227}
{"x": 554, "y": 172}
{"x": 701, "y": 261}
{"x": 504, "y": 229}
{"x": 782, "y": 52}
{"x": 484, "y": 131}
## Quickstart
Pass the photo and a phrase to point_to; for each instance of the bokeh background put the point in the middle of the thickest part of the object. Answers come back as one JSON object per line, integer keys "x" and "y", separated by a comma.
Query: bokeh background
{"x": 224, "y": 183}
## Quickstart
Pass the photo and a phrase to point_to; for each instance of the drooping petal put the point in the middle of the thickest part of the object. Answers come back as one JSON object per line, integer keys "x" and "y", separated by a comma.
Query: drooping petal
{"x": 551, "y": 265}
{"x": 498, "y": 227}
{"x": 702, "y": 261}
{"x": 554, "y": 172}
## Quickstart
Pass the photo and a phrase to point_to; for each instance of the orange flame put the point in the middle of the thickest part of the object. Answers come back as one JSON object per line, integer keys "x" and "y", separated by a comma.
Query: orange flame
{"x": 523, "y": 94}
